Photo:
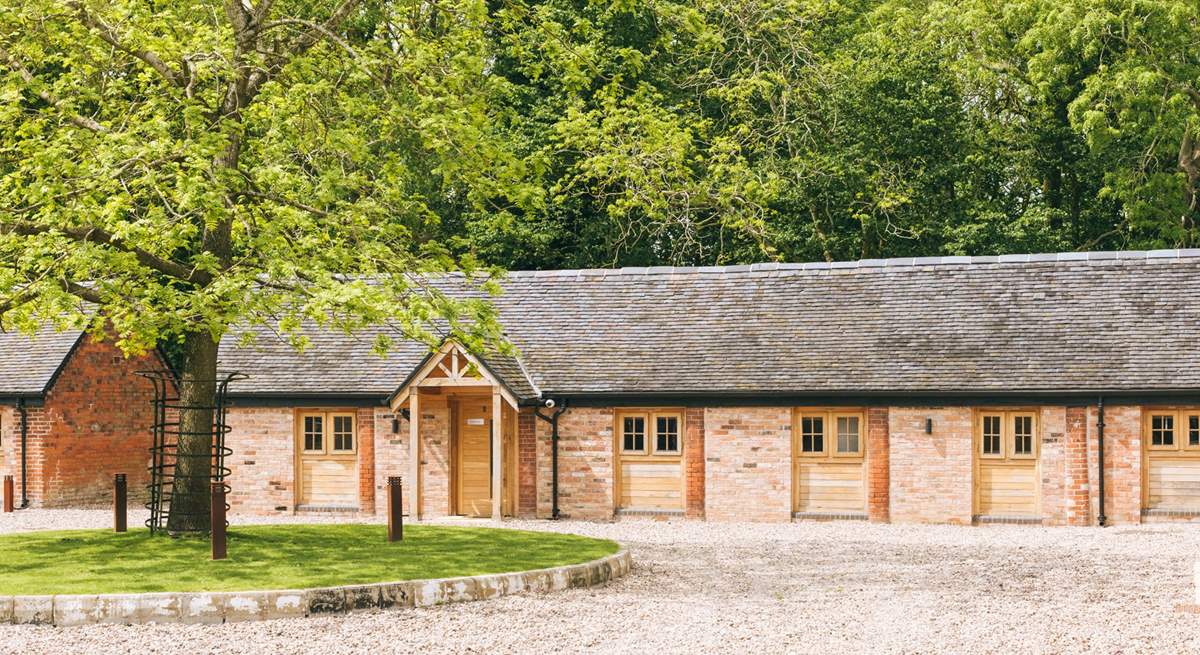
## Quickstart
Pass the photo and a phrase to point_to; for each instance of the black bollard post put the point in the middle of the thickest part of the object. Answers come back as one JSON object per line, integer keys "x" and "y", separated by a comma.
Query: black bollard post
{"x": 395, "y": 513}
{"x": 120, "y": 503}
{"x": 218, "y": 520}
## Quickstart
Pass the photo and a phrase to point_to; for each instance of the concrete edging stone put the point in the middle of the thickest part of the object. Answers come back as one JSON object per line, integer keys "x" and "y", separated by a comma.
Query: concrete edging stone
{"x": 231, "y": 606}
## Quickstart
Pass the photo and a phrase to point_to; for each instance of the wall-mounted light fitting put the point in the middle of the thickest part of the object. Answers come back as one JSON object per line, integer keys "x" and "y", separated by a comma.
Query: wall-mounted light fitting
{"x": 928, "y": 425}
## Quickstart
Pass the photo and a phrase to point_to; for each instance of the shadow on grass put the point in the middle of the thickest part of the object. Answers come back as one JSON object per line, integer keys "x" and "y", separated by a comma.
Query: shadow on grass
{"x": 275, "y": 557}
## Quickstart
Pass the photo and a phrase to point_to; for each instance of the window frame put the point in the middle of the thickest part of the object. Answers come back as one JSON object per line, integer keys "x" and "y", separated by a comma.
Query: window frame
{"x": 1187, "y": 414}
{"x": 304, "y": 450}
{"x": 1148, "y": 429}
{"x": 332, "y": 442}
{"x": 1008, "y": 442}
{"x": 829, "y": 432}
{"x": 652, "y": 434}
{"x": 645, "y": 449}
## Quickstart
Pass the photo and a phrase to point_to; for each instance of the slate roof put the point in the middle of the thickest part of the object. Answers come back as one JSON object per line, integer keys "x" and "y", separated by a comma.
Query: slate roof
{"x": 1071, "y": 322}
{"x": 28, "y": 363}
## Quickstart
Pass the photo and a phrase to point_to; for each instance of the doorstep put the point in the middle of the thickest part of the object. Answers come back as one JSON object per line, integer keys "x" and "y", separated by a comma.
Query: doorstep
{"x": 829, "y": 516}
{"x": 989, "y": 519}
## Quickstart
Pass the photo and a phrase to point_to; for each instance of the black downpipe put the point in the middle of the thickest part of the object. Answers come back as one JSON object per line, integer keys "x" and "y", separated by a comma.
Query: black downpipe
{"x": 24, "y": 449}
{"x": 553, "y": 421}
{"x": 1100, "y": 447}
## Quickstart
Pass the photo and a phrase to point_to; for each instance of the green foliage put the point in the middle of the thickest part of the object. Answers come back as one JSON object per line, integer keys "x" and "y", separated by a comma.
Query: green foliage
{"x": 275, "y": 557}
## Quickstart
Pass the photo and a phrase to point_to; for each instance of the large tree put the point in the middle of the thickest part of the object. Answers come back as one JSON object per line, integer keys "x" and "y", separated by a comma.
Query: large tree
{"x": 169, "y": 170}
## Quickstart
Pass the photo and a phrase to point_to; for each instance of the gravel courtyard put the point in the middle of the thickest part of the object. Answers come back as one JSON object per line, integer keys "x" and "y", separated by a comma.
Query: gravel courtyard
{"x": 805, "y": 587}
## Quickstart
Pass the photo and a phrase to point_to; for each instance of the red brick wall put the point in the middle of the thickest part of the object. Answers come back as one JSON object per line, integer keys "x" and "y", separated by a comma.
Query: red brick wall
{"x": 930, "y": 473}
{"x": 527, "y": 463}
{"x": 435, "y": 456}
{"x": 694, "y": 464}
{"x": 585, "y": 464}
{"x": 1076, "y": 492}
{"x": 365, "y": 422}
{"x": 94, "y": 422}
{"x": 878, "y": 464}
{"x": 1052, "y": 428}
{"x": 748, "y": 469}
{"x": 391, "y": 456}
{"x": 1122, "y": 463}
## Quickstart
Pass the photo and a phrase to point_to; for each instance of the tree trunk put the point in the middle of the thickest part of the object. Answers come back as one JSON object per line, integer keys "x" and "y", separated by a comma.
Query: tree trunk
{"x": 189, "y": 510}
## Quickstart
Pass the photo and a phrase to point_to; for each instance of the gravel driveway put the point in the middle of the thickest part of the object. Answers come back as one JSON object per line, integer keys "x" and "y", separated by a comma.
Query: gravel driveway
{"x": 805, "y": 587}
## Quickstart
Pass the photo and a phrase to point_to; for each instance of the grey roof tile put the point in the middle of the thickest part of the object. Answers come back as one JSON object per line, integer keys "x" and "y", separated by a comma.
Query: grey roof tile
{"x": 28, "y": 363}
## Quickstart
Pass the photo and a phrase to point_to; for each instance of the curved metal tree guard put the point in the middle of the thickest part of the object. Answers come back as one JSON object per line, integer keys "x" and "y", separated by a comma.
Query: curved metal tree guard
{"x": 165, "y": 455}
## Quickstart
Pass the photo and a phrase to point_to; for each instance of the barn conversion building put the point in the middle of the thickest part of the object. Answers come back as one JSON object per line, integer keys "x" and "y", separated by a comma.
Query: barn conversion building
{"x": 954, "y": 390}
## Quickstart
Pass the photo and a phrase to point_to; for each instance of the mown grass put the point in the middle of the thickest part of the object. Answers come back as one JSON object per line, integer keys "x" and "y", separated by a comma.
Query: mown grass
{"x": 274, "y": 557}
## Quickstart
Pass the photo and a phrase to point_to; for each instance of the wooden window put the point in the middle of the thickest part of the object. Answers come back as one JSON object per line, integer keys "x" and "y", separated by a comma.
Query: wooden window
{"x": 849, "y": 435}
{"x": 633, "y": 433}
{"x": 1193, "y": 430}
{"x": 327, "y": 432}
{"x": 1007, "y": 435}
{"x": 314, "y": 433}
{"x": 343, "y": 433}
{"x": 1022, "y": 435}
{"x": 666, "y": 433}
{"x": 1162, "y": 431}
{"x": 992, "y": 435}
{"x": 812, "y": 435}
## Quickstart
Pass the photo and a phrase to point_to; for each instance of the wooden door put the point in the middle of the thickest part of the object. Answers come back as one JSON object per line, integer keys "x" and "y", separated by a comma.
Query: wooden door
{"x": 650, "y": 455}
{"x": 327, "y": 459}
{"x": 1006, "y": 471}
{"x": 829, "y": 471}
{"x": 474, "y": 457}
{"x": 1172, "y": 470}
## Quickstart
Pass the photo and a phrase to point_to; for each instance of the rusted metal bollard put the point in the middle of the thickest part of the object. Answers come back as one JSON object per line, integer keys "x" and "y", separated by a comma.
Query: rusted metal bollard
{"x": 120, "y": 503}
{"x": 8, "y": 493}
{"x": 218, "y": 520}
{"x": 395, "y": 513}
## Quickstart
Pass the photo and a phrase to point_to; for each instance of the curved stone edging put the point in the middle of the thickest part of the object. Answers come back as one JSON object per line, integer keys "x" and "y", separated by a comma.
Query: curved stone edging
{"x": 228, "y": 606}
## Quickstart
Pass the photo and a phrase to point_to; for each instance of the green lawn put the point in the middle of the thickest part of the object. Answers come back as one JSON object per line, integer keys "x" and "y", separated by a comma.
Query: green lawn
{"x": 274, "y": 557}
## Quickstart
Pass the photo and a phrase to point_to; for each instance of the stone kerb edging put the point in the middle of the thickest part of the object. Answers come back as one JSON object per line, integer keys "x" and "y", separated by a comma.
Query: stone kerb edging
{"x": 221, "y": 607}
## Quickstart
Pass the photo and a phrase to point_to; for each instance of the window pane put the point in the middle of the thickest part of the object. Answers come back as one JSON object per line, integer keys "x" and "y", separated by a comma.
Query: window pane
{"x": 812, "y": 434}
{"x": 343, "y": 433}
{"x": 314, "y": 432}
{"x": 666, "y": 433}
{"x": 991, "y": 435}
{"x": 633, "y": 433}
{"x": 1023, "y": 435}
{"x": 1162, "y": 430}
{"x": 847, "y": 434}
{"x": 1194, "y": 430}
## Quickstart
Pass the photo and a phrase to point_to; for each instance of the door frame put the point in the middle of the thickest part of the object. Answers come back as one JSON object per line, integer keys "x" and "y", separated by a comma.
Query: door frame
{"x": 829, "y": 454}
{"x": 650, "y": 457}
{"x": 1006, "y": 459}
{"x": 298, "y": 450}
{"x": 508, "y": 452}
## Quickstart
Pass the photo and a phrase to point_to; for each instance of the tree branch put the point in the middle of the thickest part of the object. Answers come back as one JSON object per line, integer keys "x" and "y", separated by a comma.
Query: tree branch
{"x": 105, "y": 238}
{"x": 109, "y": 35}
{"x": 49, "y": 98}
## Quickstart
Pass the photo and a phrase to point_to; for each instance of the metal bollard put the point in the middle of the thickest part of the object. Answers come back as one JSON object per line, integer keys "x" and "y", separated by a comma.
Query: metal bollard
{"x": 395, "y": 500}
{"x": 120, "y": 503}
{"x": 8, "y": 493}
{"x": 218, "y": 520}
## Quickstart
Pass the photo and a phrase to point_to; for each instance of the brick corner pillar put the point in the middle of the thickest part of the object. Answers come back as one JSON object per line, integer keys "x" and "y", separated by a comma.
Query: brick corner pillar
{"x": 694, "y": 464}
{"x": 878, "y": 465}
{"x": 527, "y": 463}
{"x": 1077, "y": 500}
{"x": 365, "y": 420}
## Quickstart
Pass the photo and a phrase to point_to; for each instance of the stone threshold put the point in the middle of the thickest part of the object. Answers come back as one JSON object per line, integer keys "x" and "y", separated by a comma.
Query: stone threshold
{"x": 1171, "y": 513}
{"x": 829, "y": 516}
{"x": 986, "y": 519}
{"x": 236, "y": 606}
{"x": 325, "y": 509}
{"x": 674, "y": 513}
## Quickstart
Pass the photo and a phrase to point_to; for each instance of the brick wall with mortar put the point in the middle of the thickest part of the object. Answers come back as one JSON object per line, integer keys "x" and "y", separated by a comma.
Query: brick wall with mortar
{"x": 435, "y": 456}
{"x": 1076, "y": 492}
{"x": 1122, "y": 463}
{"x": 585, "y": 464}
{"x": 527, "y": 463}
{"x": 694, "y": 461}
{"x": 262, "y": 466}
{"x": 931, "y": 474}
{"x": 748, "y": 472}
{"x": 94, "y": 422}
{"x": 391, "y": 456}
{"x": 10, "y": 447}
{"x": 1052, "y": 430}
{"x": 878, "y": 464}
{"x": 365, "y": 422}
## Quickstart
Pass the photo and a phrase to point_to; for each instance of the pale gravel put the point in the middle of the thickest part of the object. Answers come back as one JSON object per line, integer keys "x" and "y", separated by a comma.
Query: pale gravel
{"x": 843, "y": 587}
